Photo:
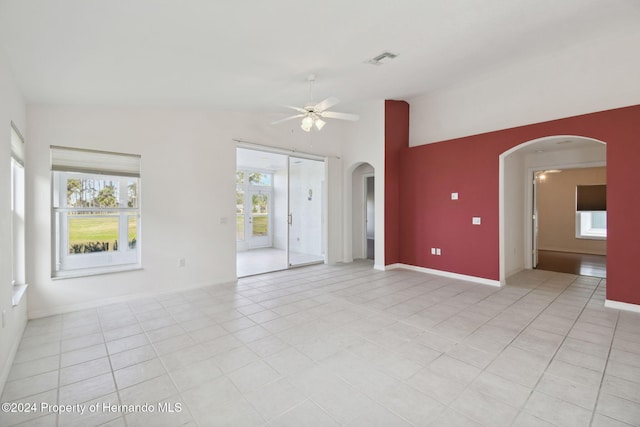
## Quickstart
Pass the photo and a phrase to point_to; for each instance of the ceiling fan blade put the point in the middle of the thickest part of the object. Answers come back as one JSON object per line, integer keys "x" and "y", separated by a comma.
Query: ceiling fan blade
{"x": 341, "y": 116}
{"x": 326, "y": 104}
{"x": 300, "y": 110}
{"x": 288, "y": 118}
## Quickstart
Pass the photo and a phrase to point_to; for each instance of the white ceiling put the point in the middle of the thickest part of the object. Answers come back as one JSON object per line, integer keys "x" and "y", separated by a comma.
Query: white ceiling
{"x": 254, "y": 159}
{"x": 255, "y": 55}
{"x": 560, "y": 143}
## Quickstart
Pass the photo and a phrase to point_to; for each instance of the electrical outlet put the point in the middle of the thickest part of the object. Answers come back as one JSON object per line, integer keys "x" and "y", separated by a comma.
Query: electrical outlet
{"x": 433, "y": 251}
{"x": 476, "y": 220}
{"x": 454, "y": 196}
{"x": 438, "y": 251}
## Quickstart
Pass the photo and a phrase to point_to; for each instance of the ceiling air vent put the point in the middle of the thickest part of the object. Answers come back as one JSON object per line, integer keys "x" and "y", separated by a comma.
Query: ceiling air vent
{"x": 383, "y": 58}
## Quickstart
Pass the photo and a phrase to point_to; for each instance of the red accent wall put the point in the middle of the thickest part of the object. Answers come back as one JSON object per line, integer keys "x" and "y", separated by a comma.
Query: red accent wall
{"x": 396, "y": 137}
{"x": 427, "y": 217}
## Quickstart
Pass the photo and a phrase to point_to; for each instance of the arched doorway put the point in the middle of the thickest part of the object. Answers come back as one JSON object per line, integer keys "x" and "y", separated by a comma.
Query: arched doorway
{"x": 518, "y": 167}
{"x": 363, "y": 212}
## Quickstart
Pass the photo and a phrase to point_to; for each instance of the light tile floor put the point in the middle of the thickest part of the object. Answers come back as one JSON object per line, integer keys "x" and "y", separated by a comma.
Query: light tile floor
{"x": 338, "y": 345}
{"x": 266, "y": 260}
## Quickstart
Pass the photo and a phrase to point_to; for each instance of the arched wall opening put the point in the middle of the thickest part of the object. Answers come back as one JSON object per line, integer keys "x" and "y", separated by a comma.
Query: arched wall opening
{"x": 429, "y": 218}
{"x": 363, "y": 210}
{"x": 517, "y": 167}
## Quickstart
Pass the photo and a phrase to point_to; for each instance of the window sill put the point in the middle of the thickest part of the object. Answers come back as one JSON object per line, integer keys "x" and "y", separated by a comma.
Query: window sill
{"x": 592, "y": 237}
{"x": 19, "y": 291}
{"x": 61, "y": 275}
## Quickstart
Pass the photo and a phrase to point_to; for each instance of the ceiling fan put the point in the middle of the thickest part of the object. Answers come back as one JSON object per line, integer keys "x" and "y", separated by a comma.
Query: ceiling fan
{"x": 312, "y": 114}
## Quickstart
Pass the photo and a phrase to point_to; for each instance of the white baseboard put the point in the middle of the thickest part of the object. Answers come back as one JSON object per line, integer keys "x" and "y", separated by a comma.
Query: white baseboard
{"x": 379, "y": 267}
{"x": 622, "y": 305}
{"x": 62, "y": 309}
{"x": 480, "y": 280}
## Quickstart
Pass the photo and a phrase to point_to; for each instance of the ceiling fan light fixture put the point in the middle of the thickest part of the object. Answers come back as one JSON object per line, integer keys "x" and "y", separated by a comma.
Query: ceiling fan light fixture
{"x": 307, "y": 123}
{"x": 319, "y": 123}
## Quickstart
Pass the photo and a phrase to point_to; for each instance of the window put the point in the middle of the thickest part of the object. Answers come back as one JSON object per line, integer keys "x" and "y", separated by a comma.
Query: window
{"x": 253, "y": 195}
{"x": 591, "y": 212}
{"x": 18, "y": 279}
{"x": 96, "y": 211}
{"x": 591, "y": 225}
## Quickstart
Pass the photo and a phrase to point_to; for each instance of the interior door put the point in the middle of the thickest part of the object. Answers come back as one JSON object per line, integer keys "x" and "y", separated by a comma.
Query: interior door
{"x": 306, "y": 213}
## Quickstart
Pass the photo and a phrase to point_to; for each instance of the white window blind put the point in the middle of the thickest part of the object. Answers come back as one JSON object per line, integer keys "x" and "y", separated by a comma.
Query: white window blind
{"x": 17, "y": 144}
{"x": 92, "y": 161}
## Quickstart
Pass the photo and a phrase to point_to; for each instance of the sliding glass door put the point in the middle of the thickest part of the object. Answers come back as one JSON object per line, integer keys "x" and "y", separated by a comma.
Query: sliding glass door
{"x": 306, "y": 211}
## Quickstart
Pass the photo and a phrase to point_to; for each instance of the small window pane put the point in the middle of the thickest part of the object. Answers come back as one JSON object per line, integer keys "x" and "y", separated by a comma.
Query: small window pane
{"x": 239, "y": 226}
{"x": 90, "y": 193}
{"x": 239, "y": 177}
{"x": 239, "y": 214}
{"x": 599, "y": 220}
{"x": 260, "y": 214}
{"x": 93, "y": 232}
{"x": 259, "y": 178}
{"x": 132, "y": 226}
{"x": 132, "y": 194}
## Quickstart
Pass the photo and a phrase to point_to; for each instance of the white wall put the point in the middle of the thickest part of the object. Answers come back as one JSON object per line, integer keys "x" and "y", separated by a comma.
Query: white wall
{"x": 178, "y": 221}
{"x": 12, "y": 108}
{"x": 514, "y": 208}
{"x": 599, "y": 74}
{"x": 365, "y": 144}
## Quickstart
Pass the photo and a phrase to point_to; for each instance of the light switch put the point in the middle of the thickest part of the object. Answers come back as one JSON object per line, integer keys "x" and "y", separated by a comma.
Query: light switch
{"x": 476, "y": 220}
{"x": 438, "y": 251}
{"x": 454, "y": 196}
{"x": 433, "y": 251}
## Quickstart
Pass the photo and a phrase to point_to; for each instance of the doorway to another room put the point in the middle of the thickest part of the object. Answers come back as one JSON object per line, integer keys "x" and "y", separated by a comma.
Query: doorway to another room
{"x": 363, "y": 212}
{"x": 570, "y": 221}
{"x": 370, "y": 215}
{"x": 280, "y": 211}
{"x": 542, "y": 225}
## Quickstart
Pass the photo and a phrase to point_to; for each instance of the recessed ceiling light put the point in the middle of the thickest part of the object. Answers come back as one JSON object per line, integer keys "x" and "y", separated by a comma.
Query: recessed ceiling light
{"x": 383, "y": 58}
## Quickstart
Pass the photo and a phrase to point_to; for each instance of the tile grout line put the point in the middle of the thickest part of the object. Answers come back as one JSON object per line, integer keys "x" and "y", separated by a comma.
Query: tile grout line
{"x": 539, "y": 295}
{"x": 604, "y": 371}
{"x": 146, "y": 334}
{"x": 467, "y": 387}
{"x": 560, "y": 345}
{"x": 448, "y": 406}
{"x": 113, "y": 372}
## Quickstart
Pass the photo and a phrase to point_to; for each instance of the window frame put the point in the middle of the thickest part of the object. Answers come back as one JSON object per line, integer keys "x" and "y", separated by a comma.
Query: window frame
{"x": 246, "y": 186}
{"x": 18, "y": 222}
{"x": 18, "y": 219}
{"x": 584, "y": 226}
{"x": 65, "y": 264}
